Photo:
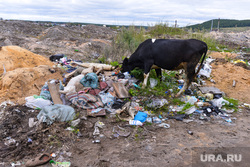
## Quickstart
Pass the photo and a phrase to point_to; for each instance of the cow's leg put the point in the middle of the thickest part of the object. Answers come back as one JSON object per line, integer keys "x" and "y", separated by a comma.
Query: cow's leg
{"x": 190, "y": 72}
{"x": 185, "y": 86}
{"x": 158, "y": 73}
{"x": 147, "y": 67}
{"x": 145, "y": 81}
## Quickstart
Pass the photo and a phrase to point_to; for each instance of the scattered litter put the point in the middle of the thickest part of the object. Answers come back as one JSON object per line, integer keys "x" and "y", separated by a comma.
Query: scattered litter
{"x": 219, "y": 102}
{"x": 157, "y": 120}
{"x": 96, "y": 112}
{"x": 190, "y": 110}
{"x": 164, "y": 125}
{"x": 190, "y": 132}
{"x": 60, "y": 164}
{"x": 157, "y": 103}
{"x": 9, "y": 141}
{"x": 135, "y": 122}
{"x": 96, "y": 141}
{"x": 75, "y": 122}
{"x": 187, "y": 120}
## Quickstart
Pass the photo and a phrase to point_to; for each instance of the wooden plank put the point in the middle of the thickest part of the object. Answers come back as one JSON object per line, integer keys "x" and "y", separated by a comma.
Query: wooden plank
{"x": 54, "y": 92}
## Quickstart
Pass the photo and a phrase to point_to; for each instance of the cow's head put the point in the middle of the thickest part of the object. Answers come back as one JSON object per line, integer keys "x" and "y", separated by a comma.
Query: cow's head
{"x": 125, "y": 65}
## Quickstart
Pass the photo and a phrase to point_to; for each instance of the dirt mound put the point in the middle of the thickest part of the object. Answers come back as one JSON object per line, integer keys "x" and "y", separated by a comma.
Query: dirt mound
{"x": 20, "y": 28}
{"x": 23, "y": 82}
{"x": 13, "y": 57}
{"x": 240, "y": 38}
{"x": 26, "y": 73}
{"x": 225, "y": 73}
{"x": 62, "y": 33}
{"x": 93, "y": 31}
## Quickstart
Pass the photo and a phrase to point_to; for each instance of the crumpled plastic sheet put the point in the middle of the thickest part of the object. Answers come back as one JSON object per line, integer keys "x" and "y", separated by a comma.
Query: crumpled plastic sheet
{"x": 34, "y": 103}
{"x": 205, "y": 70}
{"x": 157, "y": 103}
{"x": 57, "y": 112}
{"x": 219, "y": 102}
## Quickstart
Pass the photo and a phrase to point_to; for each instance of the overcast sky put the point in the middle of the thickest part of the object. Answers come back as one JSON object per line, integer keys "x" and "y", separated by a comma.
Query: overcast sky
{"x": 126, "y": 12}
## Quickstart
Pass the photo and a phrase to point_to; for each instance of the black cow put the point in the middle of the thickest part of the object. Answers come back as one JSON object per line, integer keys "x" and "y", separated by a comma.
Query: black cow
{"x": 169, "y": 54}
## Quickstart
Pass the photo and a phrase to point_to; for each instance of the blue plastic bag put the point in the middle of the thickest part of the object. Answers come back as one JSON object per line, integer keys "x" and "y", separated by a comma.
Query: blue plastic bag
{"x": 141, "y": 116}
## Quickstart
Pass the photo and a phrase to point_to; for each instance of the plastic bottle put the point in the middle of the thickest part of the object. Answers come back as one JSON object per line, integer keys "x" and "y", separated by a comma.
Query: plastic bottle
{"x": 135, "y": 122}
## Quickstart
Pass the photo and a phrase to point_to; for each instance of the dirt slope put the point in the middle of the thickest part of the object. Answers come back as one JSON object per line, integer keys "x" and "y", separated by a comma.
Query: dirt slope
{"x": 224, "y": 73}
{"x": 26, "y": 73}
{"x": 13, "y": 57}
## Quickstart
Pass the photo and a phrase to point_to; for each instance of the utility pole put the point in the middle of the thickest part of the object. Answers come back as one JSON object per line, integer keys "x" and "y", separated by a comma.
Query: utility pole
{"x": 218, "y": 25}
{"x": 212, "y": 25}
{"x": 175, "y": 25}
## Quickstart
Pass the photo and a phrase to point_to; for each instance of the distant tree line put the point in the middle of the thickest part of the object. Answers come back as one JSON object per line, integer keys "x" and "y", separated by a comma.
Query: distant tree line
{"x": 223, "y": 23}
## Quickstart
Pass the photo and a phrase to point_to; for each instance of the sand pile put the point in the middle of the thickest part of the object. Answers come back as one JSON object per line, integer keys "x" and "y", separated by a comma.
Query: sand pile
{"x": 13, "y": 57}
{"x": 224, "y": 73}
{"x": 26, "y": 73}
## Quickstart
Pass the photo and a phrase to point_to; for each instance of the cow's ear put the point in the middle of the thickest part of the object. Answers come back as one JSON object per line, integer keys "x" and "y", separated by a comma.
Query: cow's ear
{"x": 125, "y": 61}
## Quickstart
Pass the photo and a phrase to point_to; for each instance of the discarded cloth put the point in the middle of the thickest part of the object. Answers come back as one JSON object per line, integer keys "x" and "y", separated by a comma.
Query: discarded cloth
{"x": 90, "y": 80}
{"x": 85, "y": 101}
{"x": 103, "y": 85}
{"x": 94, "y": 91}
{"x": 57, "y": 112}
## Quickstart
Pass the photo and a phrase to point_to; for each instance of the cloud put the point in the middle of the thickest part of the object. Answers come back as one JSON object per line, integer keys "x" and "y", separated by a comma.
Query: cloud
{"x": 125, "y": 12}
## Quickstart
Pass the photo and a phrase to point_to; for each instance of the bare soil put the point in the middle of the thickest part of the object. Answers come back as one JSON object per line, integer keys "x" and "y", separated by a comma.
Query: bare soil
{"x": 225, "y": 72}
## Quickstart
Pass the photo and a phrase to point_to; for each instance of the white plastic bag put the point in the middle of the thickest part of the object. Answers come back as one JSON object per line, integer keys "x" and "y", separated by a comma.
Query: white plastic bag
{"x": 206, "y": 70}
{"x": 32, "y": 102}
{"x": 219, "y": 102}
{"x": 153, "y": 82}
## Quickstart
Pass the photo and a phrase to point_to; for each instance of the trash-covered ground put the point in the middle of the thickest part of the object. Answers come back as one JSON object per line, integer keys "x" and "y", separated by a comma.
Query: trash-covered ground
{"x": 94, "y": 119}
{"x": 90, "y": 124}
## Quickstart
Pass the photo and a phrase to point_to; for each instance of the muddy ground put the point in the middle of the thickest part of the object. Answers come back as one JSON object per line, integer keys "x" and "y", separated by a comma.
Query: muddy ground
{"x": 148, "y": 145}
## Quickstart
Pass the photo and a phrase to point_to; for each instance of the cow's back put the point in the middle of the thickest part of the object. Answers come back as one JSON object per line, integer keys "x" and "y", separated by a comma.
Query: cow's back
{"x": 169, "y": 53}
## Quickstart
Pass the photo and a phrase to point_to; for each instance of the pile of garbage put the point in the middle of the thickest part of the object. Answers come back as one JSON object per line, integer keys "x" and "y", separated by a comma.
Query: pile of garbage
{"x": 101, "y": 90}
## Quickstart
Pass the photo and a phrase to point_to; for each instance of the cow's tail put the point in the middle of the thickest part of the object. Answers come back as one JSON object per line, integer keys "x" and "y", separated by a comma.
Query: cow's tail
{"x": 204, "y": 53}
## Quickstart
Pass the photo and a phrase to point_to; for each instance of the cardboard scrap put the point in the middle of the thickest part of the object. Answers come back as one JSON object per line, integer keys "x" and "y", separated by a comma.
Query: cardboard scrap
{"x": 210, "y": 89}
{"x": 120, "y": 90}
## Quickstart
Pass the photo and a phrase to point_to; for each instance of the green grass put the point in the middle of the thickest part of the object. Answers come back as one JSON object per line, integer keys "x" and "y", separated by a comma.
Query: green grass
{"x": 233, "y": 104}
{"x": 128, "y": 39}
